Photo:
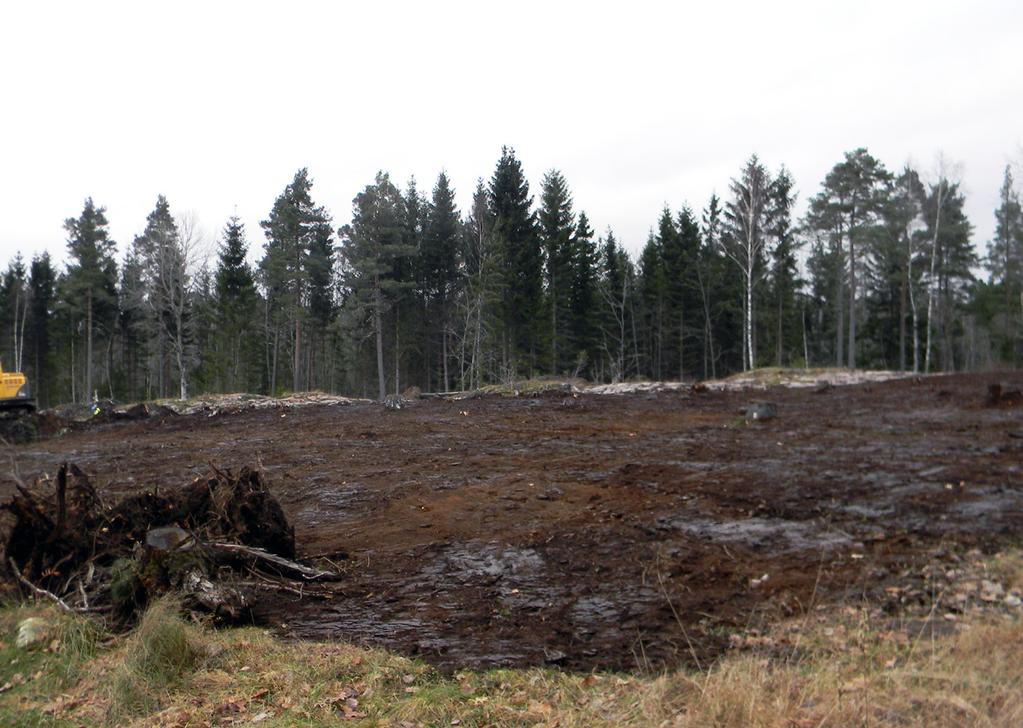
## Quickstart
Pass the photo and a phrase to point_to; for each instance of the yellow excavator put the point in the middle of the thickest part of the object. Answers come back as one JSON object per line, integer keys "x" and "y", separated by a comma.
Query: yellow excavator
{"x": 14, "y": 393}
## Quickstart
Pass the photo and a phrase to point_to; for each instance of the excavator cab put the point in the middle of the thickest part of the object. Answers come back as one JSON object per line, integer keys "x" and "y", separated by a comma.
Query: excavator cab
{"x": 14, "y": 394}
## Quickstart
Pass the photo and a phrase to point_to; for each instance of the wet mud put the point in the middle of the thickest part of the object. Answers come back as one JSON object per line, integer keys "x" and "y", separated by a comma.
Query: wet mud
{"x": 597, "y": 531}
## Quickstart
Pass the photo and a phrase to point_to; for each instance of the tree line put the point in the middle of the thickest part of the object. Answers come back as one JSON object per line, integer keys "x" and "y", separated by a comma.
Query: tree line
{"x": 880, "y": 272}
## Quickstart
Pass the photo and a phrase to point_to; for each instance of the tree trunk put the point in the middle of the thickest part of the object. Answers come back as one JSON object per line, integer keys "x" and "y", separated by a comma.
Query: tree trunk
{"x": 296, "y": 372}
{"x": 749, "y": 315}
{"x": 378, "y": 328}
{"x": 778, "y": 344}
{"x": 902, "y": 321}
{"x": 806, "y": 348}
{"x": 88, "y": 344}
{"x": 444, "y": 355}
{"x": 273, "y": 369}
{"x": 554, "y": 323}
{"x": 852, "y": 293}
{"x": 840, "y": 317}
{"x": 397, "y": 352}
{"x": 932, "y": 280}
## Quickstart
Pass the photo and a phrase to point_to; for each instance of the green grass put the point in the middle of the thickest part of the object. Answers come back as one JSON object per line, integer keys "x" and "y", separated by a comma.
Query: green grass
{"x": 162, "y": 650}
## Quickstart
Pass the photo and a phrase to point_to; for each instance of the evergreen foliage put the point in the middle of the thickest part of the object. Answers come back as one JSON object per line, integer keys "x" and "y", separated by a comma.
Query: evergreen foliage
{"x": 881, "y": 272}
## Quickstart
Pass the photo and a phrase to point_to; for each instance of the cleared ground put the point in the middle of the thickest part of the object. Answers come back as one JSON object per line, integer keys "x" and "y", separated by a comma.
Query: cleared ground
{"x": 599, "y": 530}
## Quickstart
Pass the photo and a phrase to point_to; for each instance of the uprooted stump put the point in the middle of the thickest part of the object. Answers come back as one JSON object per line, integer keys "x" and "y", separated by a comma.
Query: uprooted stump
{"x": 67, "y": 545}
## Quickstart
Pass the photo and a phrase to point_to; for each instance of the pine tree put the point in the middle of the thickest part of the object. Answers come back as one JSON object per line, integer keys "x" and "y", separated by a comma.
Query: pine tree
{"x": 896, "y": 273}
{"x": 371, "y": 245}
{"x": 515, "y": 231}
{"x": 296, "y": 231}
{"x": 90, "y": 289}
{"x": 848, "y": 207}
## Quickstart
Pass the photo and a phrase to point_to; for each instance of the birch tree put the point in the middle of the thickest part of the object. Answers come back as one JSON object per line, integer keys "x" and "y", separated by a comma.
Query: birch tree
{"x": 744, "y": 240}
{"x": 939, "y": 196}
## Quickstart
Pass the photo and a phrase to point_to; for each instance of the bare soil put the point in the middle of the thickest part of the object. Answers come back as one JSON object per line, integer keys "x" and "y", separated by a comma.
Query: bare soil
{"x": 597, "y": 531}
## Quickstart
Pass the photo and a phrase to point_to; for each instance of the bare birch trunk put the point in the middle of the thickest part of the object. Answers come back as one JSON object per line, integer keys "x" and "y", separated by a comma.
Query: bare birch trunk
{"x": 933, "y": 278}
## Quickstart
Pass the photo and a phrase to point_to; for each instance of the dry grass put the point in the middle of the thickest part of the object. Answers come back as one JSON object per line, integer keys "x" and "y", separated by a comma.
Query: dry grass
{"x": 835, "y": 667}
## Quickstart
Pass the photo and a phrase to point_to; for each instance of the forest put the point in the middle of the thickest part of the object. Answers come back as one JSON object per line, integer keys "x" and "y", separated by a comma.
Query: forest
{"x": 881, "y": 272}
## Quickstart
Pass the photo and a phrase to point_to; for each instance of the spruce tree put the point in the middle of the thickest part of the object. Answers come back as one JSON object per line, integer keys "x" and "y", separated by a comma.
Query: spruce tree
{"x": 483, "y": 297}
{"x": 687, "y": 293}
{"x": 583, "y": 320}
{"x": 1005, "y": 262}
{"x": 652, "y": 299}
{"x": 516, "y": 233}
{"x": 948, "y": 232}
{"x": 164, "y": 251}
{"x": 14, "y": 292}
{"x": 616, "y": 292}
{"x": 42, "y": 282}
{"x": 675, "y": 268}
{"x": 784, "y": 272}
{"x": 235, "y": 307}
{"x": 409, "y": 300}
{"x": 91, "y": 282}
{"x": 713, "y": 275}
{"x": 556, "y": 223}
{"x": 440, "y": 262}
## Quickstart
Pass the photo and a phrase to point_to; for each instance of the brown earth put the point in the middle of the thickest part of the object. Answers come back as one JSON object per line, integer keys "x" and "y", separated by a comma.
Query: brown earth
{"x": 601, "y": 531}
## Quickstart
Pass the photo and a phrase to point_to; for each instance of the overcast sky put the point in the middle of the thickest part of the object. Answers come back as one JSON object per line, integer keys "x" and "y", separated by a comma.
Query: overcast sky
{"x": 217, "y": 104}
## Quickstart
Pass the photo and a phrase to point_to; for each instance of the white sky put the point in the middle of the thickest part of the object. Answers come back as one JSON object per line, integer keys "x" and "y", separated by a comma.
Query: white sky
{"x": 217, "y": 104}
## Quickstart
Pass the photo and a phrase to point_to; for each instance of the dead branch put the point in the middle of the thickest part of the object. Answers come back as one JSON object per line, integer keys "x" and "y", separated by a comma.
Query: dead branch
{"x": 305, "y": 572}
{"x": 42, "y": 592}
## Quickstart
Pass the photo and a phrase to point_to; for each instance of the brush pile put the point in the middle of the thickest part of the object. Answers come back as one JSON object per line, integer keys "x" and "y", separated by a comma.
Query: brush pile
{"x": 202, "y": 540}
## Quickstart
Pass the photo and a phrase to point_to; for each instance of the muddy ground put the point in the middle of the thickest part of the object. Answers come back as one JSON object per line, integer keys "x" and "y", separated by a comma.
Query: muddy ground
{"x": 597, "y": 531}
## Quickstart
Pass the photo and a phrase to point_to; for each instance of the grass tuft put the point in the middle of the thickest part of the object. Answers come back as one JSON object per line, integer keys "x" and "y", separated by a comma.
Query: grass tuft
{"x": 160, "y": 652}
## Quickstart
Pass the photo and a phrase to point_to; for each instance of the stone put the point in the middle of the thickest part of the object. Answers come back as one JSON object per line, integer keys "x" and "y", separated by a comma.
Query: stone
{"x": 759, "y": 411}
{"x": 169, "y": 538}
{"x": 32, "y": 631}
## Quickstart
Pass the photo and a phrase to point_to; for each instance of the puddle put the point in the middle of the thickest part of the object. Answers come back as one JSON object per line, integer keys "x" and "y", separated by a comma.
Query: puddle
{"x": 782, "y": 535}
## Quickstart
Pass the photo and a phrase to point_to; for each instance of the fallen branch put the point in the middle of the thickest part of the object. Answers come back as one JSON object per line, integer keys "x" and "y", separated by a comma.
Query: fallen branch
{"x": 42, "y": 592}
{"x": 305, "y": 572}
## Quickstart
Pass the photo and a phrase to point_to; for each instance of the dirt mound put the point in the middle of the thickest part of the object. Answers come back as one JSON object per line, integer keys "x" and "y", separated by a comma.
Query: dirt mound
{"x": 801, "y": 378}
